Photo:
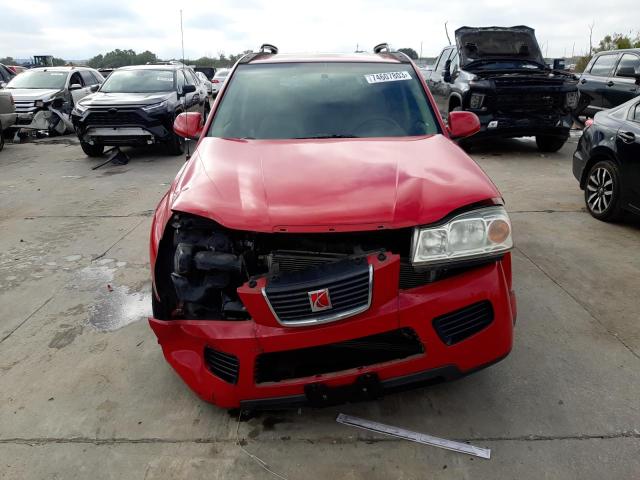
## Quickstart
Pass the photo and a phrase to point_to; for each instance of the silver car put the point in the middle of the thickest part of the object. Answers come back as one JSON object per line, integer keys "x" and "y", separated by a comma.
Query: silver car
{"x": 44, "y": 97}
{"x": 218, "y": 80}
{"x": 205, "y": 81}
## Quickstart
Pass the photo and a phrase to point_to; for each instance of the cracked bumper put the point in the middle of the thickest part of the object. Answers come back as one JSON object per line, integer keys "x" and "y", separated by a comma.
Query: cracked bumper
{"x": 183, "y": 341}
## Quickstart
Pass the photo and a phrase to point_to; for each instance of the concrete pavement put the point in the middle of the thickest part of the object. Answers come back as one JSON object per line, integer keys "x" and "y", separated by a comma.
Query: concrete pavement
{"x": 86, "y": 393}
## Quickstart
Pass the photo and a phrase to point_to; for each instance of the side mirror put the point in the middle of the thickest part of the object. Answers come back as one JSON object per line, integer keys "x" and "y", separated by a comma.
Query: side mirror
{"x": 94, "y": 88}
{"x": 188, "y": 89}
{"x": 3, "y": 84}
{"x": 447, "y": 71}
{"x": 463, "y": 124}
{"x": 188, "y": 125}
{"x": 75, "y": 86}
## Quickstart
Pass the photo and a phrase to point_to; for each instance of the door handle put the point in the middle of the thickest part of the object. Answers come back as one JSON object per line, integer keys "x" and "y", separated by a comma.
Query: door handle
{"x": 610, "y": 83}
{"x": 584, "y": 80}
{"x": 627, "y": 137}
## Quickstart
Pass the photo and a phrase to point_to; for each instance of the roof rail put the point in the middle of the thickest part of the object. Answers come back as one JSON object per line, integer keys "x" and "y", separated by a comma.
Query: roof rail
{"x": 265, "y": 49}
{"x": 267, "y": 46}
{"x": 384, "y": 48}
{"x": 380, "y": 47}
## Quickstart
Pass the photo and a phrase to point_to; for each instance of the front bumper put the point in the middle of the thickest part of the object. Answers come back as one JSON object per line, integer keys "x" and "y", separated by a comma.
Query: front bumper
{"x": 184, "y": 341}
{"x": 507, "y": 125}
{"x": 129, "y": 127}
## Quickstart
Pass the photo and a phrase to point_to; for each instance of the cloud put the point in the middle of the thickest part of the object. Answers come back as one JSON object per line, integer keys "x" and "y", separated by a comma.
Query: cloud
{"x": 76, "y": 29}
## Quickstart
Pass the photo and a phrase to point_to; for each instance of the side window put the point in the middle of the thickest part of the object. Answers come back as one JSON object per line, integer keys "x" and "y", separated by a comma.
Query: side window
{"x": 192, "y": 76}
{"x": 636, "y": 115}
{"x": 443, "y": 60}
{"x": 455, "y": 62}
{"x": 603, "y": 65}
{"x": 88, "y": 78}
{"x": 76, "y": 78}
{"x": 98, "y": 78}
{"x": 180, "y": 79}
{"x": 438, "y": 60}
{"x": 188, "y": 77}
{"x": 628, "y": 61}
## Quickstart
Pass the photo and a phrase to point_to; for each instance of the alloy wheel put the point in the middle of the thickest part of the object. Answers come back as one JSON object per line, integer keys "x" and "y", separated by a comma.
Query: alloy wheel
{"x": 600, "y": 190}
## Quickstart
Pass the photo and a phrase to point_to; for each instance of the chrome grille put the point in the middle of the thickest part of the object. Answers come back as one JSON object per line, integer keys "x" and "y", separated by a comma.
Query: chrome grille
{"x": 349, "y": 284}
{"x": 24, "y": 107}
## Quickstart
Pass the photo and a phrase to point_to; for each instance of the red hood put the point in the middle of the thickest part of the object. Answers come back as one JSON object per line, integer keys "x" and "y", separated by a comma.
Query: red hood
{"x": 317, "y": 185}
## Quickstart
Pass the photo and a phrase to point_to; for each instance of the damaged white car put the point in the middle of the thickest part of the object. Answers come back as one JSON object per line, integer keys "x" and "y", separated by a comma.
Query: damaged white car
{"x": 44, "y": 97}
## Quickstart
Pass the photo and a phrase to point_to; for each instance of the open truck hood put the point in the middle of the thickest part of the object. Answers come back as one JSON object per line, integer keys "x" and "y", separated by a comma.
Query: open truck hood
{"x": 478, "y": 43}
{"x": 328, "y": 185}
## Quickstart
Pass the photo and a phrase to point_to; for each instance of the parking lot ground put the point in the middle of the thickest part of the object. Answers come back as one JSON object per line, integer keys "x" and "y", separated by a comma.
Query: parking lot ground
{"x": 85, "y": 391}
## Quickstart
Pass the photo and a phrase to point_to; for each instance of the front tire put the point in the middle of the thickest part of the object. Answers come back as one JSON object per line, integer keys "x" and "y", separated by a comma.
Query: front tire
{"x": 602, "y": 191}
{"x": 175, "y": 145}
{"x": 92, "y": 150}
{"x": 550, "y": 144}
{"x": 1, "y": 141}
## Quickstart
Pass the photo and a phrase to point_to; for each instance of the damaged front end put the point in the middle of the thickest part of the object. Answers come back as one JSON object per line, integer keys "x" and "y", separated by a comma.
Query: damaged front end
{"x": 201, "y": 265}
{"x": 50, "y": 115}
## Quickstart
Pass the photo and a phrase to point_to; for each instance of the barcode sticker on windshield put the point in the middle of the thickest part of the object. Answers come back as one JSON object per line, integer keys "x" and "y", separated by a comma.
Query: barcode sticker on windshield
{"x": 387, "y": 77}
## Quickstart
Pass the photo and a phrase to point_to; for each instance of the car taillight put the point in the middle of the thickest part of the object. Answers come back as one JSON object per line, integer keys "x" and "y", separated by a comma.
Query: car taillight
{"x": 215, "y": 81}
{"x": 588, "y": 123}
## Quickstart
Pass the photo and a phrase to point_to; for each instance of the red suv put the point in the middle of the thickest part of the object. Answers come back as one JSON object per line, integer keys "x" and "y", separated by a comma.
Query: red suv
{"x": 327, "y": 239}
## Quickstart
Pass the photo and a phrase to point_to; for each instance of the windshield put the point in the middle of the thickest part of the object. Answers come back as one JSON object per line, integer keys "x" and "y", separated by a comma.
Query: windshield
{"x": 221, "y": 73}
{"x": 139, "y": 81}
{"x": 323, "y": 100}
{"x": 506, "y": 64}
{"x": 39, "y": 79}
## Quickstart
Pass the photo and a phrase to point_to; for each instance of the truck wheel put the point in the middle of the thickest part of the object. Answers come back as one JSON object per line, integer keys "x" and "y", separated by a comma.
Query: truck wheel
{"x": 92, "y": 150}
{"x": 175, "y": 145}
{"x": 550, "y": 144}
{"x": 602, "y": 192}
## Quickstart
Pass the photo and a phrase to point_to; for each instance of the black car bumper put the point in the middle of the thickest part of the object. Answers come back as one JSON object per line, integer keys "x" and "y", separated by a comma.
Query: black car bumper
{"x": 507, "y": 125}
{"x": 580, "y": 160}
{"x": 122, "y": 127}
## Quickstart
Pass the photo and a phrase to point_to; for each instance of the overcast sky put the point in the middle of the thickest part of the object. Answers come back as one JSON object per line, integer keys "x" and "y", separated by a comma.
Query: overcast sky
{"x": 78, "y": 29}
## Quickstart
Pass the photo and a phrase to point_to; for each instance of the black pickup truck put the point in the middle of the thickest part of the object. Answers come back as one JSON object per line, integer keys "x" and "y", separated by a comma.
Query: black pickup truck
{"x": 499, "y": 74}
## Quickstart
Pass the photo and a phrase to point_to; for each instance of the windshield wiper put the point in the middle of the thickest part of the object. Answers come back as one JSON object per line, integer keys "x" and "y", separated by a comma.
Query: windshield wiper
{"x": 335, "y": 135}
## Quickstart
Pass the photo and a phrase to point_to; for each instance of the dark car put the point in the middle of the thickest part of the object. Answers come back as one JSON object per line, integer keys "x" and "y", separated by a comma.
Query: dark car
{"x": 607, "y": 162}
{"x": 137, "y": 105}
{"x": 6, "y": 74}
{"x": 500, "y": 75}
{"x": 610, "y": 79}
{"x": 208, "y": 71}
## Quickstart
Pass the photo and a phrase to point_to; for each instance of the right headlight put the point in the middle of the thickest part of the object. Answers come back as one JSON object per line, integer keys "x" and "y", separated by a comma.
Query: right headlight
{"x": 79, "y": 109}
{"x": 479, "y": 233}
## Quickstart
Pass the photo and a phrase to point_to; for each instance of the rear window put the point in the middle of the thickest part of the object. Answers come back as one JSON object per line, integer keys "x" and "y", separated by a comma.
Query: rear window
{"x": 603, "y": 65}
{"x": 324, "y": 100}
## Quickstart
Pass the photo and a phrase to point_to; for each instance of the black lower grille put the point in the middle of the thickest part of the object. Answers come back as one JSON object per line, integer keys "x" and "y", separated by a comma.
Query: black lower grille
{"x": 528, "y": 101}
{"x": 411, "y": 277}
{"x": 348, "y": 284}
{"x": 456, "y": 326}
{"x": 335, "y": 357}
{"x": 222, "y": 365}
{"x": 117, "y": 118}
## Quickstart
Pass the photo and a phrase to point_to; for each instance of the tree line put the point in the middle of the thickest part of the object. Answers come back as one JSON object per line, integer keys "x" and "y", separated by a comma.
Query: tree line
{"x": 120, "y": 58}
{"x": 617, "y": 41}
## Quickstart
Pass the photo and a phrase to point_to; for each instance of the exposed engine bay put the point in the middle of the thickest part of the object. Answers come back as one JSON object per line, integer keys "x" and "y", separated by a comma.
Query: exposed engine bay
{"x": 201, "y": 264}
